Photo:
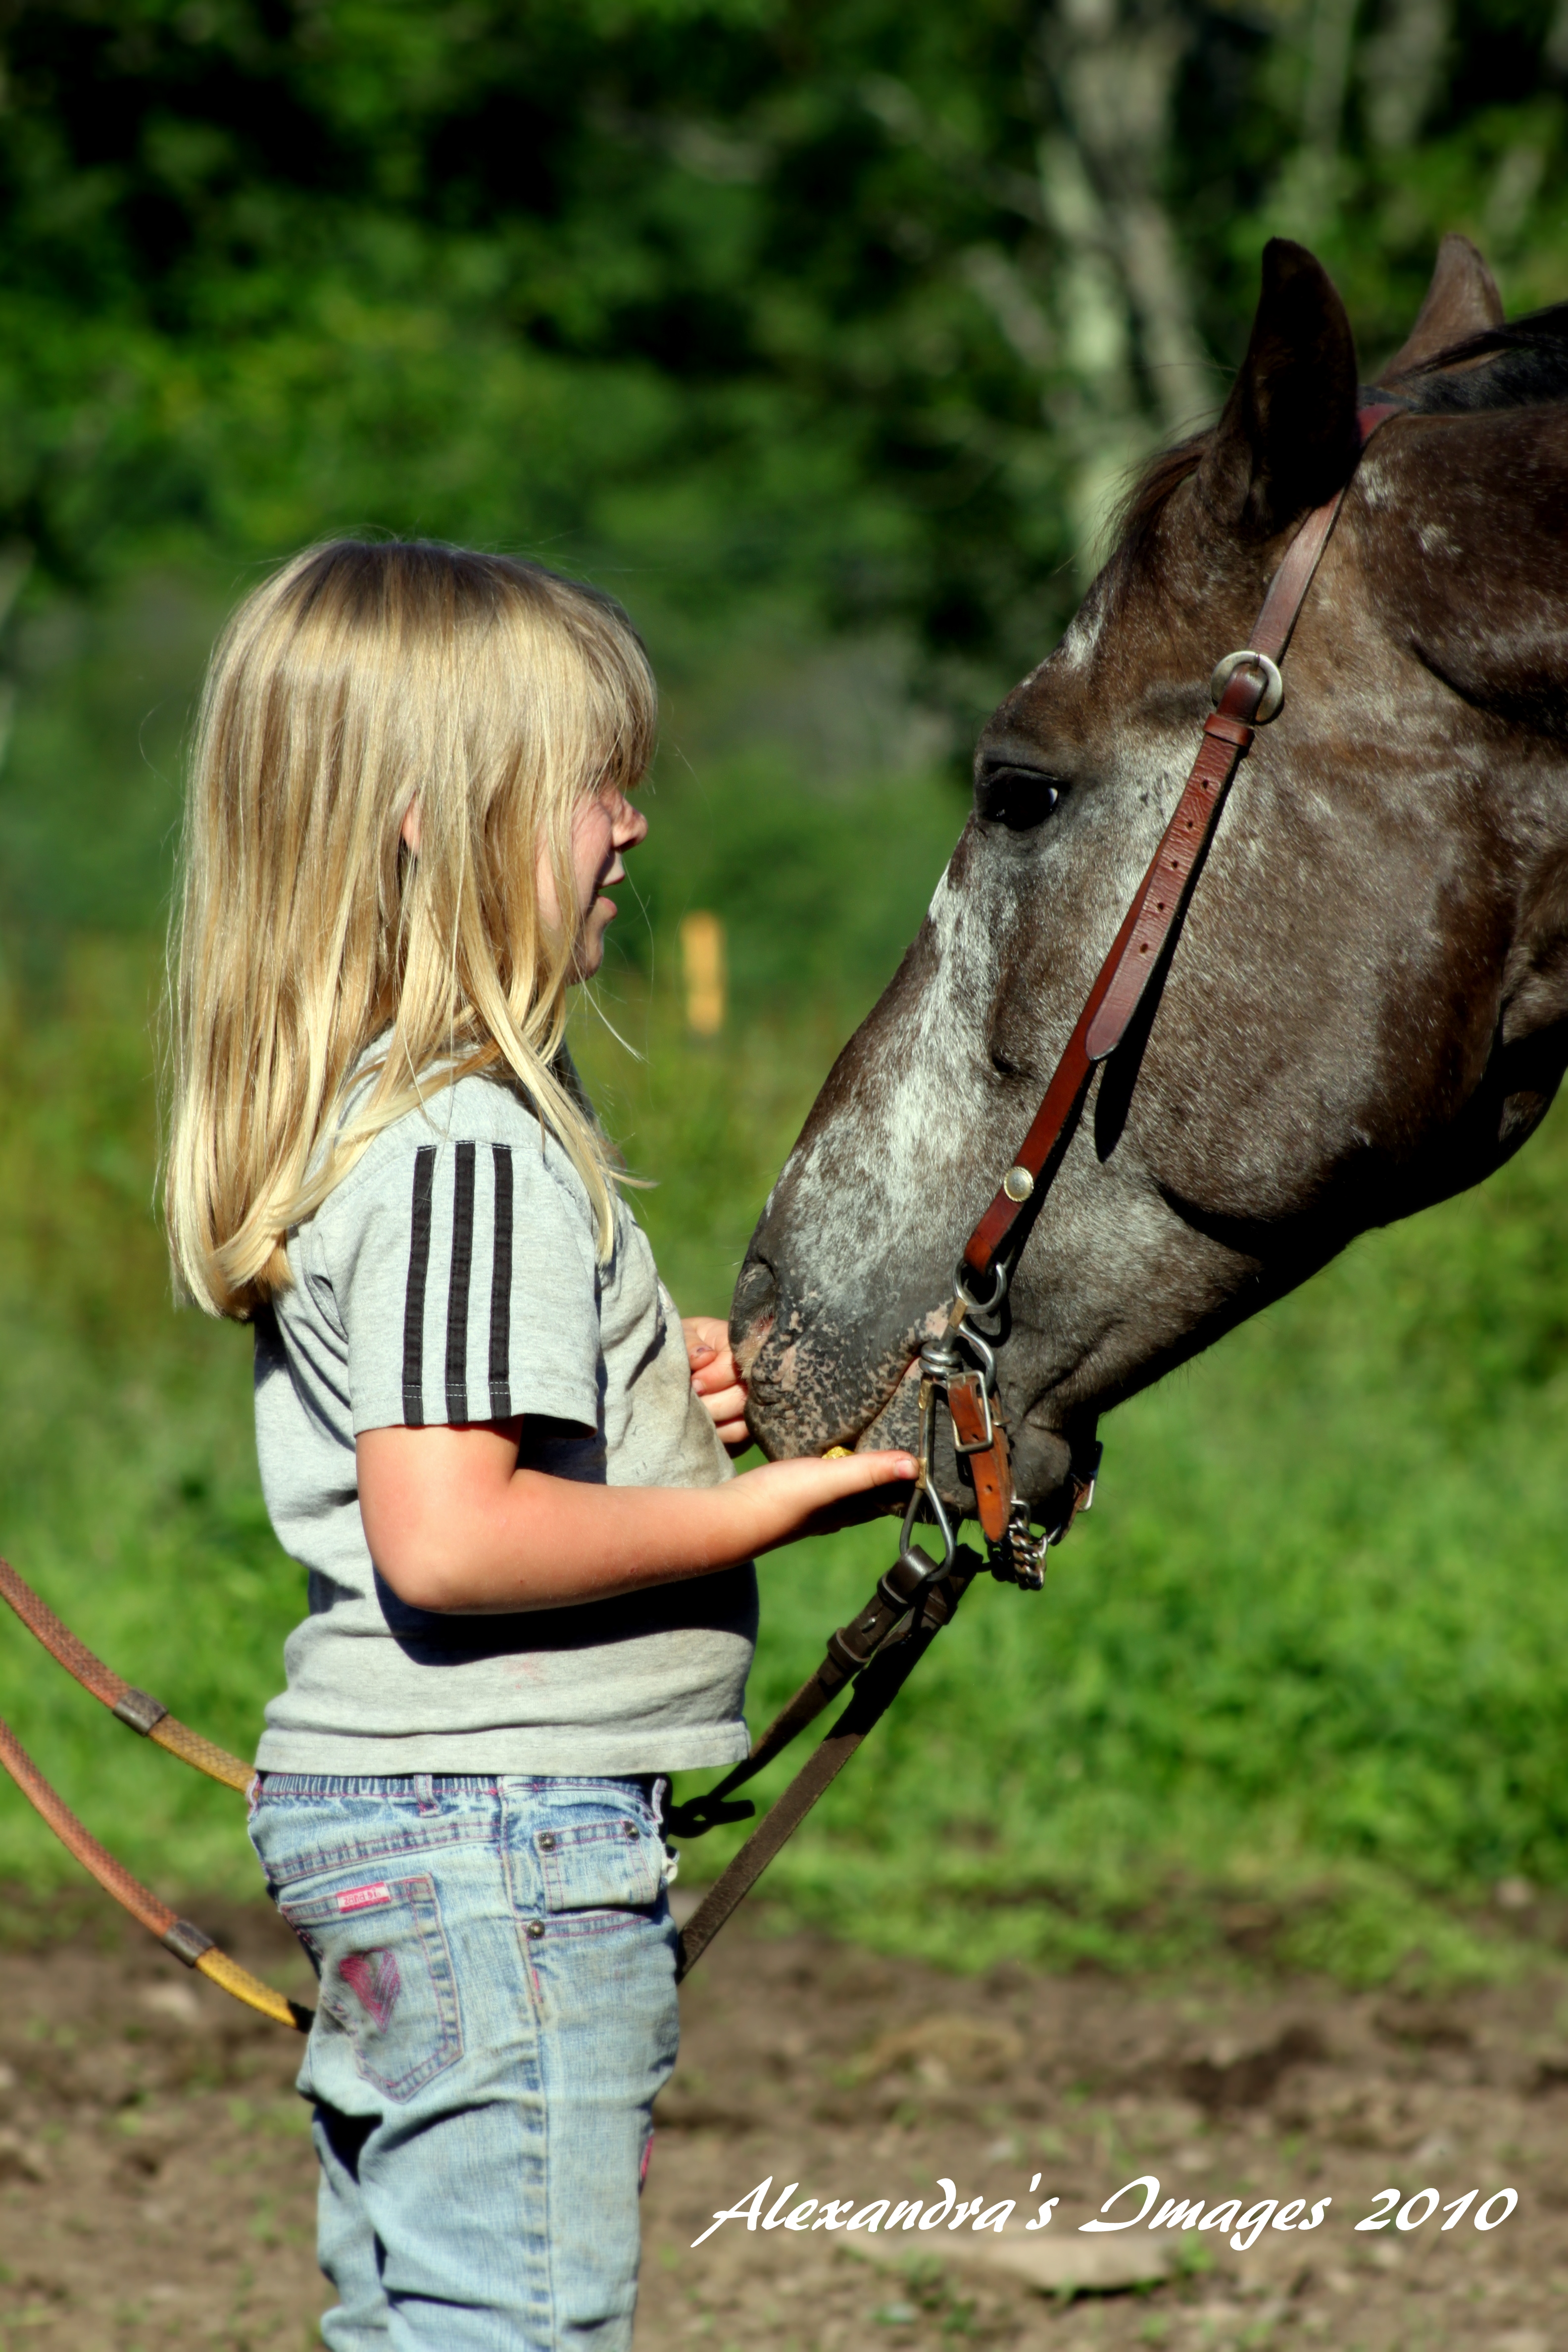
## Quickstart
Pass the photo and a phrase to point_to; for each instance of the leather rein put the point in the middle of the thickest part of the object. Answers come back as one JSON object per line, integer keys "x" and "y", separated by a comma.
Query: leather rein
{"x": 876, "y": 1650}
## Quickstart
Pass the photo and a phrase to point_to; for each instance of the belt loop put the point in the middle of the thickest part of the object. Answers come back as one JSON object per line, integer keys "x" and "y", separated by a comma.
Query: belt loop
{"x": 425, "y": 1790}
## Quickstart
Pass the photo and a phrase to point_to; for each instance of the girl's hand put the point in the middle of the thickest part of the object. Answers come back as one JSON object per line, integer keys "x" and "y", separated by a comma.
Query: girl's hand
{"x": 803, "y": 1496}
{"x": 717, "y": 1379}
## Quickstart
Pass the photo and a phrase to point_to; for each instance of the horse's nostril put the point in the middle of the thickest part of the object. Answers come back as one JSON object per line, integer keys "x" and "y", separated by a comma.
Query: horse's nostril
{"x": 756, "y": 1299}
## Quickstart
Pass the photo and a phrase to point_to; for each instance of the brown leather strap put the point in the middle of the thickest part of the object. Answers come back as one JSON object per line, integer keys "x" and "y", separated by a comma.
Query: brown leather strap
{"x": 1227, "y": 738}
{"x": 1147, "y": 927}
{"x": 700, "y": 1815}
{"x": 983, "y": 1443}
{"x": 1288, "y": 589}
{"x": 849, "y": 1650}
{"x": 1051, "y": 1122}
{"x": 145, "y": 1714}
{"x": 873, "y": 1695}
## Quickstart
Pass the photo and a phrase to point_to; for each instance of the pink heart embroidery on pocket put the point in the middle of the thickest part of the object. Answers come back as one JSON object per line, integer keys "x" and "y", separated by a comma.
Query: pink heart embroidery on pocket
{"x": 372, "y": 1978}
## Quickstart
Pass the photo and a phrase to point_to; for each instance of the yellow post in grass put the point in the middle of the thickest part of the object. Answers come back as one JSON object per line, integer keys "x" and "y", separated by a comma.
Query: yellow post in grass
{"x": 702, "y": 968}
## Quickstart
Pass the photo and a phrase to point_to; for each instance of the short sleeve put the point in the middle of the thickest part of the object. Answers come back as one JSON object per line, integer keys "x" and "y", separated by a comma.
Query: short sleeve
{"x": 465, "y": 1282}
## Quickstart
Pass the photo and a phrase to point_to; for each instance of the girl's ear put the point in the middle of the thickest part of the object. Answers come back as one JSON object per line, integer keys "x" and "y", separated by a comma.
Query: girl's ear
{"x": 410, "y": 827}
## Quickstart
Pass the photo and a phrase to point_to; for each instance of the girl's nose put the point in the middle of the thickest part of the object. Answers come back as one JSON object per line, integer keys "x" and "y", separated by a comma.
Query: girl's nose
{"x": 631, "y": 825}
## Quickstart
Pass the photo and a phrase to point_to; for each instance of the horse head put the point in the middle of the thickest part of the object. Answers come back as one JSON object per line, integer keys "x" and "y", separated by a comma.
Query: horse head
{"x": 1366, "y": 1007}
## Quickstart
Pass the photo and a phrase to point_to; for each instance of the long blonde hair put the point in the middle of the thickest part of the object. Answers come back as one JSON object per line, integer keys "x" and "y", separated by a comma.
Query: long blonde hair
{"x": 361, "y": 678}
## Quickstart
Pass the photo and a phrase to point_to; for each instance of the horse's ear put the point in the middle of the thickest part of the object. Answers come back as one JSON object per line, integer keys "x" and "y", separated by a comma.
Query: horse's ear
{"x": 1461, "y": 302}
{"x": 1288, "y": 439}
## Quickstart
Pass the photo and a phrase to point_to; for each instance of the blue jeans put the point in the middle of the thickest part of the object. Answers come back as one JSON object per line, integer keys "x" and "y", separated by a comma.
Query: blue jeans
{"x": 497, "y": 2012}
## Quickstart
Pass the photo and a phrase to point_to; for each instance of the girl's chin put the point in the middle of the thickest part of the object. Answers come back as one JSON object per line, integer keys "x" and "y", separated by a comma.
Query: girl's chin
{"x": 591, "y": 948}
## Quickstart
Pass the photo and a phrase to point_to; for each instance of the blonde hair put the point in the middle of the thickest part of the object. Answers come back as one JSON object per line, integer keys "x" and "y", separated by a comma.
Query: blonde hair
{"x": 360, "y": 678}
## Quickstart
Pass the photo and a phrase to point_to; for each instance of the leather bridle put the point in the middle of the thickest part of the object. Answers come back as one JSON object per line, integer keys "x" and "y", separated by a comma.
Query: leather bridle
{"x": 1247, "y": 691}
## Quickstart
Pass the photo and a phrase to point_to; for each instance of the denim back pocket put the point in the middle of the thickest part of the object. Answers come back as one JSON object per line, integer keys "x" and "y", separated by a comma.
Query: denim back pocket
{"x": 605, "y": 1866}
{"x": 387, "y": 1979}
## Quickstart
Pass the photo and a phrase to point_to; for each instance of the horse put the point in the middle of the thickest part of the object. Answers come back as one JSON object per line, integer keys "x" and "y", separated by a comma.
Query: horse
{"x": 1365, "y": 1007}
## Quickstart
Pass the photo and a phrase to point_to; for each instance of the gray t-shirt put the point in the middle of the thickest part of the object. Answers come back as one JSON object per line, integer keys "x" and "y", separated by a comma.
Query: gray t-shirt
{"x": 452, "y": 1277}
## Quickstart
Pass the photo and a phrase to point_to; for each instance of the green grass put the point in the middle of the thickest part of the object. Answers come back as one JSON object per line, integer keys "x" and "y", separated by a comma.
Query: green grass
{"x": 1294, "y": 1684}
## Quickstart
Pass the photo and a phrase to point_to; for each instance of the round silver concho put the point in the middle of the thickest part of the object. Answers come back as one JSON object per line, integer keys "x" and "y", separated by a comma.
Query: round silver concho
{"x": 1017, "y": 1183}
{"x": 1273, "y": 690}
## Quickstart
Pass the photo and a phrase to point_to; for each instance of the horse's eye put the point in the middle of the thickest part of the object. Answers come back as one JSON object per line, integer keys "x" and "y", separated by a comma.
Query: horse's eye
{"x": 1019, "y": 798}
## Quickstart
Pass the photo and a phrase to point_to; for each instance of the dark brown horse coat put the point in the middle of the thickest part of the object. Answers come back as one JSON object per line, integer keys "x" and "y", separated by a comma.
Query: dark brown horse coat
{"x": 1366, "y": 1007}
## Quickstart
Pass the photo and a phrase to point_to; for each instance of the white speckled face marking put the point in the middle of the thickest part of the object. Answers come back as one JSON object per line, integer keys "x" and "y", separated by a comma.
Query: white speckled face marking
{"x": 927, "y": 1094}
{"x": 1077, "y": 648}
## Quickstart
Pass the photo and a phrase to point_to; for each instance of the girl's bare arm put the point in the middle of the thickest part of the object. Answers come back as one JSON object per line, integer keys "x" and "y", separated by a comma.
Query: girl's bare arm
{"x": 454, "y": 1523}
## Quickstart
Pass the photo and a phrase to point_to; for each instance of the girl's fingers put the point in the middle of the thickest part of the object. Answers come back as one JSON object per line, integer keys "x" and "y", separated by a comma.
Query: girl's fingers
{"x": 850, "y": 1501}
{"x": 881, "y": 1469}
{"x": 727, "y": 1405}
{"x": 818, "y": 1482}
{"x": 804, "y": 1495}
{"x": 853, "y": 1473}
{"x": 706, "y": 1338}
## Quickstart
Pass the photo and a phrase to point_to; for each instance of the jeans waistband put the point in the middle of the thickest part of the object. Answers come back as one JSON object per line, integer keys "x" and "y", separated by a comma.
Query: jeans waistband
{"x": 424, "y": 1785}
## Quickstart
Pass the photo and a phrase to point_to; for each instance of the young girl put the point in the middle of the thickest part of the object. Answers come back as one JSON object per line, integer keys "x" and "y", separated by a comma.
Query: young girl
{"x": 531, "y": 1589}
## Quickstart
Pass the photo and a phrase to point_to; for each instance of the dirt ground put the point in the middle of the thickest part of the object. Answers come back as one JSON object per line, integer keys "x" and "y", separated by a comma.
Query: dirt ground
{"x": 156, "y": 2190}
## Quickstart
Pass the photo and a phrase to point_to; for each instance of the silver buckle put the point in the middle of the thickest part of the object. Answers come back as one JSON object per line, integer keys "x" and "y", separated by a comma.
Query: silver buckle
{"x": 1273, "y": 684}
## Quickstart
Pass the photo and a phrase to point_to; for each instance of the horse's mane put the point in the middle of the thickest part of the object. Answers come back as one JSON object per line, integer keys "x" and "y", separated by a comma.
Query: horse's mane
{"x": 1145, "y": 502}
{"x": 1512, "y": 367}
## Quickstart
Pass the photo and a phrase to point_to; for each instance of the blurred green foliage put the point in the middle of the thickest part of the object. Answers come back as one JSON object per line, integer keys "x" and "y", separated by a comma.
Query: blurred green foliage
{"x": 832, "y": 307}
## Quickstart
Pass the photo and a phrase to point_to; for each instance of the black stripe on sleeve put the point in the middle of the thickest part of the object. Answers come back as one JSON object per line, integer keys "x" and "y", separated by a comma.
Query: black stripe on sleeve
{"x": 500, "y": 1290}
{"x": 457, "y": 1290}
{"x": 414, "y": 1298}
